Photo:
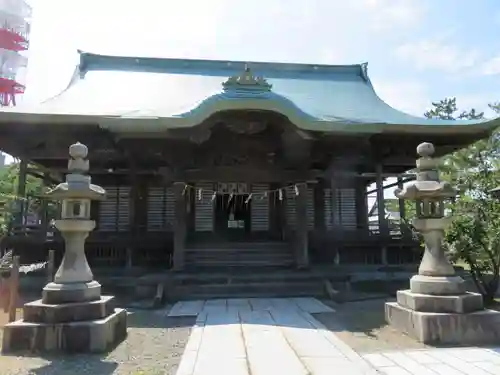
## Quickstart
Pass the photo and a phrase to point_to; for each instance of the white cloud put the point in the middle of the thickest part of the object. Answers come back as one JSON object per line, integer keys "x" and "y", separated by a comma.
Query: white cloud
{"x": 437, "y": 54}
{"x": 490, "y": 67}
{"x": 407, "y": 96}
{"x": 391, "y": 14}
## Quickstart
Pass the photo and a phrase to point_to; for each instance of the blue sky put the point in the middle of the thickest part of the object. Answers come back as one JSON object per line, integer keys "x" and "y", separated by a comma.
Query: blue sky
{"x": 417, "y": 50}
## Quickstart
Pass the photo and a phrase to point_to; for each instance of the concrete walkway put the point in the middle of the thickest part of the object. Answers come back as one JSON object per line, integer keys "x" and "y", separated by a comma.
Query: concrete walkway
{"x": 279, "y": 336}
{"x": 264, "y": 337}
{"x": 455, "y": 361}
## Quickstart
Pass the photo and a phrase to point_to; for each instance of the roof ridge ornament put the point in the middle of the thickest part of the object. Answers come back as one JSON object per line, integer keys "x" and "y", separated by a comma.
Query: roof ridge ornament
{"x": 246, "y": 81}
{"x": 364, "y": 71}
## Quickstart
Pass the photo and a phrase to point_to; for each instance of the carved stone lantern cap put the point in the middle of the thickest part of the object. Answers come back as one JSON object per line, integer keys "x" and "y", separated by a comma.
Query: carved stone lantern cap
{"x": 78, "y": 151}
{"x": 427, "y": 185}
{"x": 78, "y": 185}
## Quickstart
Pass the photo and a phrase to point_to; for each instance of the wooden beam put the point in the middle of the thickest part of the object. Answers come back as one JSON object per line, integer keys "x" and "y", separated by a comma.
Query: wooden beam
{"x": 107, "y": 171}
{"x": 403, "y": 180}
{"x": 229, "y": 174}
{"x": 40, "y": 171}
{"x": 388, "y": 175}
{"x": 41, "y": 175}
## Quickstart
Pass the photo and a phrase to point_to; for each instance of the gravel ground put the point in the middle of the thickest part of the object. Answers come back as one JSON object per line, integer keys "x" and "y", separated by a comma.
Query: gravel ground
{"x": 362, "y": 326}
{"x": 154, "y": 346}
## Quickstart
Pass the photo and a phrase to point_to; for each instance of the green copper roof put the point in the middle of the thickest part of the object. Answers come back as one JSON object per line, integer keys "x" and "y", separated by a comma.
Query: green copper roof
{"x": 174, "y": 93}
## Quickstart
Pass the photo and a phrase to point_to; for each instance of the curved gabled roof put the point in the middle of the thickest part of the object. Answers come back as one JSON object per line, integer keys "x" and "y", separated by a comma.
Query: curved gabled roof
{"x": 173, "y": 93}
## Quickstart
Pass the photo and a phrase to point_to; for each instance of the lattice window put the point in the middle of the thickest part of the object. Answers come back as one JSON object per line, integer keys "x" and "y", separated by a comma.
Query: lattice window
{"x": 260, "y": 208}
{"x": 114, "y": 211}
{"x": 161, "y": 209}
{"x": 340, "y": 208}
{"x": 291, "y": 207}
{"x": 346, "y": 208}
{"x": 327, "y": 202}
{"x": 204, "y": 208}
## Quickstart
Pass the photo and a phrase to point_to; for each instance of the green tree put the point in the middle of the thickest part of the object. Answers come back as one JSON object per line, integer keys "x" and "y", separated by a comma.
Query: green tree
{"x": 9, "y": 181}
{"x": 447, "y": 109}
{"x": 473, "y": 234}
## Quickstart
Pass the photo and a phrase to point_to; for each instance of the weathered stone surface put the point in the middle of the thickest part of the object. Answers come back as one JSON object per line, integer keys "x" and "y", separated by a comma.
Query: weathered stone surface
{"x": 39, "y": 312}
{"x": 96, "y": 336}
{"x": 460, "y": 304}
{"x": 55, "y": 293}
{"x": 477, "y": 328}
{"x": 437, "y": 285}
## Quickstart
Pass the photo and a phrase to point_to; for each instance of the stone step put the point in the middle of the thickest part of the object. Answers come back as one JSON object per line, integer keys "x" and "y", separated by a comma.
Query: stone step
{"x": 255, "y": 245}
{"x": 237, "y": 252}
{"x": 223, "y": 252}
{"x": 221, "y": 262}
{"x": 253, "y": 289}
{"x": 252, "y": 275}
{"x": 237, "y": 256}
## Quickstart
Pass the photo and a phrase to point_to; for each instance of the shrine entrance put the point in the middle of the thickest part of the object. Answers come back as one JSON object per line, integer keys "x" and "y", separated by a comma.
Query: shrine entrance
{"x": 232, "y": 212}
{"x": 232, "y": 216}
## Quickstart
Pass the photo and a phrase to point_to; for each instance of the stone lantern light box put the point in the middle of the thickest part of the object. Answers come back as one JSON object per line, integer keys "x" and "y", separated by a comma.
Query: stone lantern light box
{"x": 77, "y": 192}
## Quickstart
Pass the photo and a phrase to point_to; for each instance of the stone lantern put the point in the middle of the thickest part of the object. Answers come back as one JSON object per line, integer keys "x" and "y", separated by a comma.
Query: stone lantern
{"x": 429, "y": 195}
{"x": 73, "y": 281}
{"x": 437, "y": 308}
{"x": 72, "y": 316}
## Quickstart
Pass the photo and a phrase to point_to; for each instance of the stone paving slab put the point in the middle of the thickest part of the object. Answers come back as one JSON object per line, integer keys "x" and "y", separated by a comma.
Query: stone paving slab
{"x": 264, "y": 336}
{"x": 268, "y": 336}
{"x": 194, "y": 308}
{"x": 455, "y": 361}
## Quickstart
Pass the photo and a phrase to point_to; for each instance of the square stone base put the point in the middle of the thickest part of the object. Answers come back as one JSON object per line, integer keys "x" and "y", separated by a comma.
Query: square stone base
{"x": 93, "y": 336}
{"x": 39, "y": 312}
{"x": 477, "y": 328}
{"x": 460, "y": 304}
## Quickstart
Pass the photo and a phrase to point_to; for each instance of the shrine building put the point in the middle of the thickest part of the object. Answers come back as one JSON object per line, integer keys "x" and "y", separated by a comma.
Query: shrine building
{"x": 228, "y": 163}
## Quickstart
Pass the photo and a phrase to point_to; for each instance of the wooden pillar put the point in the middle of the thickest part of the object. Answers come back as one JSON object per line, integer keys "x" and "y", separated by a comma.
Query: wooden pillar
{"x": 319, "y": 206}
{"x": 382, "y": 222}
{"x": 275, "y": 213}
{"x": 45, "y": 206}
{"x": 361, "y": 207}
{"x": 301, "y": 233}
{"x": 335, "y": 206}
{"x": 180, "y": 228}
{"x": 402, "y": 210}
{"x": 133, "y": 223}
{"x": 21, "y": 192}
{"x": 284, "y": 225}
{"x": 336, "y": 225}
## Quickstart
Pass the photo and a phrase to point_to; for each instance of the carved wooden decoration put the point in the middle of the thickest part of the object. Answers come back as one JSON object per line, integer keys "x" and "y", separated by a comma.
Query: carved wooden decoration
{"x": 246, "y": 81}
{"x": 246, "y": 127}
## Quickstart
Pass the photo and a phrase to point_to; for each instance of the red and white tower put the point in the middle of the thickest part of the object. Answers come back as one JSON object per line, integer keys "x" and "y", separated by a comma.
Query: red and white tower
{"x": 14, "y": 32}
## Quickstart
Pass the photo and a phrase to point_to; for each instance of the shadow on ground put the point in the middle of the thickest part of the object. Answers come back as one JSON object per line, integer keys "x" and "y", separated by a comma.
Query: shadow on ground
{"x": 157, "y": 319}
{"x": 362, "y": 326}
{"x": 87, "y": 364}
{"x": 366, "y": 316}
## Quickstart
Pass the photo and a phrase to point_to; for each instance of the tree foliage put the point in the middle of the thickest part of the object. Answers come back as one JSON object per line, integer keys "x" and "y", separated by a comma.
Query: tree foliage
{"x": 9, "y": 181}
{"x": 473, "y": 235}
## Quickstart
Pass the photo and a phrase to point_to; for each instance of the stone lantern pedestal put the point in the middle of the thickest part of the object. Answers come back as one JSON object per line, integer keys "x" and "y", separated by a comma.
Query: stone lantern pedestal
{"x": 72, "y": 316}
{"x": 437, "y": 309}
